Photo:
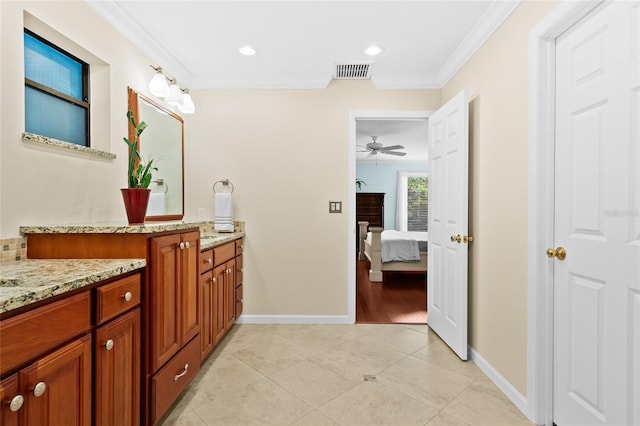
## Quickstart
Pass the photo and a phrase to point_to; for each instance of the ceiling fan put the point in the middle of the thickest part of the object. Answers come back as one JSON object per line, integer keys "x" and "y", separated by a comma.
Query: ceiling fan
{"x": 376, "y": 147}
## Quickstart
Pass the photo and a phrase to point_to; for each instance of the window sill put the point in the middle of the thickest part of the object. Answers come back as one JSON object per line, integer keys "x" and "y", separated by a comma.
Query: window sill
{"x": 43, "y": 140}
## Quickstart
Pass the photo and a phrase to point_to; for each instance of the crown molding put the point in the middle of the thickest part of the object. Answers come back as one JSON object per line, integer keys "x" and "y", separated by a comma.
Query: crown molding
{"x": 126, "y": 25}
{"x": 490, "y": 21}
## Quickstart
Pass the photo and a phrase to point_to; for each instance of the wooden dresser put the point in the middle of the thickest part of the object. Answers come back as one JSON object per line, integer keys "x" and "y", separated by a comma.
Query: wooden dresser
{"x": 370, "y": 207}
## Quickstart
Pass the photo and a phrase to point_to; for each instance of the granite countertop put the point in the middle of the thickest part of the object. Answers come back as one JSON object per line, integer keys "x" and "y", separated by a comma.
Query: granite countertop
{"x": 213, "y": 239}
{"x": 32, "y": 280}
{"x": 109, "y": 228}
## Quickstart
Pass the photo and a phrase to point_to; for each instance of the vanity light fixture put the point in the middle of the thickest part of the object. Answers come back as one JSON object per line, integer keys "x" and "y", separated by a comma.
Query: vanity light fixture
{"x": 175, "y": 94}
{"x": 187, "y": 106}
{"x": 167, "y": 88}
{"x": 158, "y": 85}
{"x": 247, "y": 50}
{"x": 373, "y": 50}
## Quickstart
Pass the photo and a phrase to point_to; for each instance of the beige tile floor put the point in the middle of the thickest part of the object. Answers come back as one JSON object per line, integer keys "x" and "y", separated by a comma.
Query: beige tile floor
{"x": 315, "y": 375}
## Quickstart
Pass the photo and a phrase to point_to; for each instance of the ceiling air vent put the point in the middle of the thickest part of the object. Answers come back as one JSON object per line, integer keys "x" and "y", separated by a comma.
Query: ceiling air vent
{"x": 352, "y": 71}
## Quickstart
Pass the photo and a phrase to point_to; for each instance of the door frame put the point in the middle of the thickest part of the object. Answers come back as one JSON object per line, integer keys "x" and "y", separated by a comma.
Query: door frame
{"x": 351, "y": 193}
{"x": 542, "y": 41}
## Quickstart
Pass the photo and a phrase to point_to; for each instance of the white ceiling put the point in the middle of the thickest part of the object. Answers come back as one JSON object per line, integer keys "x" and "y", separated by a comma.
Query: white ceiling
{"x": 299, "y": 41}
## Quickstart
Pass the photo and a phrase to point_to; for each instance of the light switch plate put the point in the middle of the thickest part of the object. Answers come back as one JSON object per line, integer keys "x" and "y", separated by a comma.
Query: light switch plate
{"x": 335, "y": 206}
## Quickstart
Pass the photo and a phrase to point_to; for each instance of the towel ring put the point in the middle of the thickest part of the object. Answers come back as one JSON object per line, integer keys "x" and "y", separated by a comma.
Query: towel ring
{"x": 224, "y": 182}
{"x": 161, "y": 182}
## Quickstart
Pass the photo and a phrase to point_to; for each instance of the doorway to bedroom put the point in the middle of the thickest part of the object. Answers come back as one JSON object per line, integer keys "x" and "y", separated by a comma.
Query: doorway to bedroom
{"x": 391, "y": 196}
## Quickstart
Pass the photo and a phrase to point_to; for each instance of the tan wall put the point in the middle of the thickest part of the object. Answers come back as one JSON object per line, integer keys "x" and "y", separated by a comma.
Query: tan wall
{"x": 286, "y": 152}
{"x": 496, "y": 80}
{"x": 42, "y": 185}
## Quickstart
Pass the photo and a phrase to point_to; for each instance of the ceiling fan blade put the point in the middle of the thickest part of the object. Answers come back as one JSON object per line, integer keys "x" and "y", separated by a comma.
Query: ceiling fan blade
{"x": 371, "y": 154}
{"x": 399, "y": 154}
{"x": 393, "y": 147}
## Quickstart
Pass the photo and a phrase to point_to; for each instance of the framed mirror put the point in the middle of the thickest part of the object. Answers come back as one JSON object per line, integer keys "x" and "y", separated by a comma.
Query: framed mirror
{"x": 163, "y": 141}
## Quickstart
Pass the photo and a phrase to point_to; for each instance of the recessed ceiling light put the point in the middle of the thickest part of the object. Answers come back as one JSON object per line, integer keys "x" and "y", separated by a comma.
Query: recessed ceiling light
{"x": 247, "y": 51}
{"x": 373, "y": 50}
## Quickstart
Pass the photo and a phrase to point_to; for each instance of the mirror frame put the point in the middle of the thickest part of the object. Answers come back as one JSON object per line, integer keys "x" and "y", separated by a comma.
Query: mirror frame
{"x": 133, "y": 102}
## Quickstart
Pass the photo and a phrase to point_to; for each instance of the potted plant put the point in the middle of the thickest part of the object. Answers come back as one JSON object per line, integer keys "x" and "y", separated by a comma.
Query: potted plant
{"x": 136, "y": 196}
{"x": 359, "y": 183}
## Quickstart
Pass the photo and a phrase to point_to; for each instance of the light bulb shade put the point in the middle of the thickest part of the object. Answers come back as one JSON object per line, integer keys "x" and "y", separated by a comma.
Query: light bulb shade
{"x": 187, "y": 106}
{"x": 175, "y": 95}
{"x": 158, "y": 86}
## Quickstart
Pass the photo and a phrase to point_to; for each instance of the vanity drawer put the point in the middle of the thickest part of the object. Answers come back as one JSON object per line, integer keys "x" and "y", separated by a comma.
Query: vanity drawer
{"x": 206, "y": 261}
{"x": 224, "y": 253}
{"x": 33, "y": 333}
{"x": 239, "y": 246}
{"x": 117, "y": 297}
{"x": 171, "y": 379}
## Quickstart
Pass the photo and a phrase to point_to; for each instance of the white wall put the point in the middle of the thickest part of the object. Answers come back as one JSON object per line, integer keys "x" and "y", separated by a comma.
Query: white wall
{"x": 42, "y": 185}
{"x": 286, "y": 152}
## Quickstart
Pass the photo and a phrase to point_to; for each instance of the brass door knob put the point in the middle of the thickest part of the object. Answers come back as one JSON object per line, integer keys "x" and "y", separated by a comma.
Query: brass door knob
{"x": 456, "y": 238}
{"x": 467, "y": 239}
{"x": 560, "y": 253}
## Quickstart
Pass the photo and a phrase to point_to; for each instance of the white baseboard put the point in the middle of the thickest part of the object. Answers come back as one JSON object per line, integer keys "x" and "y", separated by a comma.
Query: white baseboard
{"x": 503, "y": 384}
{"x": 293, "y": 319}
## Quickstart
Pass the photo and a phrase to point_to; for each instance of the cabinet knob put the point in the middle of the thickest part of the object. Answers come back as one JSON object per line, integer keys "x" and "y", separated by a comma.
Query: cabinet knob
{"x": 209, "y": 261}
{"x": 181, "y": 245}
{"x": 108, "y": 345}
{"x": 241, "y": 269}
{"x": 16, "y": 403}
{"x": 213, "y": 279}
{"x": 39, "y": 389}
{"x": 127, "y": 296}
{"x": 187, "y": 245}
{"x": 184, "y": 371}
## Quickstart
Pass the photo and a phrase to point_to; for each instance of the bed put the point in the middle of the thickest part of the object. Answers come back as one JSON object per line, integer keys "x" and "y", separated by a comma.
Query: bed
{"x": 391, "y": 250}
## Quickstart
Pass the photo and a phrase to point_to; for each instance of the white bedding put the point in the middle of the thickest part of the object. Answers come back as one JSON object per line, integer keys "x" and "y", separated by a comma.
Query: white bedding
{"x": 401, "y": 246}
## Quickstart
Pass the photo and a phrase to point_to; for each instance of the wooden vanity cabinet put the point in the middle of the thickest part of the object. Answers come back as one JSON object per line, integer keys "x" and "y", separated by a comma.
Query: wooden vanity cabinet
{"x": 220, "y": 293}
{"x": 53, "y": 390}
{"x": 174, "y": 298}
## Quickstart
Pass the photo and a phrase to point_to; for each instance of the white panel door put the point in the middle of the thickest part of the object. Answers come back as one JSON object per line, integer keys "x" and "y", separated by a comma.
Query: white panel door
{"x": 448, "y": 223}
{"x": 597, "y": 220}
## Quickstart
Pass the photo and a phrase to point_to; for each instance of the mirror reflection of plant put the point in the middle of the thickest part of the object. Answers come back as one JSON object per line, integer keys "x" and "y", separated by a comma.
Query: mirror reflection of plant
{"x": 359, "y": 183}
{"x": 140, "y": 176}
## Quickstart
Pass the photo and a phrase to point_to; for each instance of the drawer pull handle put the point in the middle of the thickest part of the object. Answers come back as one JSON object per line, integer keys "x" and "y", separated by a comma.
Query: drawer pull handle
{"x": 177, "y": 376}
{"x": 127, "y": 296}
{"x": 209, "y": 261}
{"x": 39, "y": 389}
{"x": 16, "y": 403}
{"x": 108, "y": 345}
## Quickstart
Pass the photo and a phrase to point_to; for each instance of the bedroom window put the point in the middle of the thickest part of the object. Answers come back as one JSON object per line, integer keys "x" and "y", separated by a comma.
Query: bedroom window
{"x": 56, "y": 86}
{"x": 413, "y": 201}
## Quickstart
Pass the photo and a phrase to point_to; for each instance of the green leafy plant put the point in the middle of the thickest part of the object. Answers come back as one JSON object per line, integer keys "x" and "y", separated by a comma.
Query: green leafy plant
{"x": 140, "y": 176}
{"x": 359, "y": 183}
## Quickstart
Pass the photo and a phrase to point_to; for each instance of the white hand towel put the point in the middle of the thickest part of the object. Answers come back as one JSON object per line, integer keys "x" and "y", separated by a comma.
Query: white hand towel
{"x": 223, "y": 218}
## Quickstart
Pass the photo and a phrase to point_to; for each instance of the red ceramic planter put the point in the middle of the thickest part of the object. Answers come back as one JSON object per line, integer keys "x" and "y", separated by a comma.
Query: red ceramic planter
{"x": 135, "y": 203}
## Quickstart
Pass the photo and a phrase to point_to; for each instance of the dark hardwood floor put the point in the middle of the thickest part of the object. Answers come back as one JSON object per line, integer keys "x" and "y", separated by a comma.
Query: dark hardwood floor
{"x": 401, "y": 298}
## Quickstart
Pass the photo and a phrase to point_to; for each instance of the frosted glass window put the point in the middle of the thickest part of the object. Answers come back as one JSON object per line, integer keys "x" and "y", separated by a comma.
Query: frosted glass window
{"x": 56, "y": 93}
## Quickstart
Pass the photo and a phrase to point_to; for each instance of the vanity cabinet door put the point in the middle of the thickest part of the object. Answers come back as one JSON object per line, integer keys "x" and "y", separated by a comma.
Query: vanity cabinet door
{"x": 219, "y": 320}
{"x": 189, "y": 259}
{"x": 117, "y": 371}
{"x": 57, "y": 387}
{"x": 11, "y": 401}
{"x": 230, "y": 295}
{"x": 206, "y": 314}
{"x": 165, "y": 298}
